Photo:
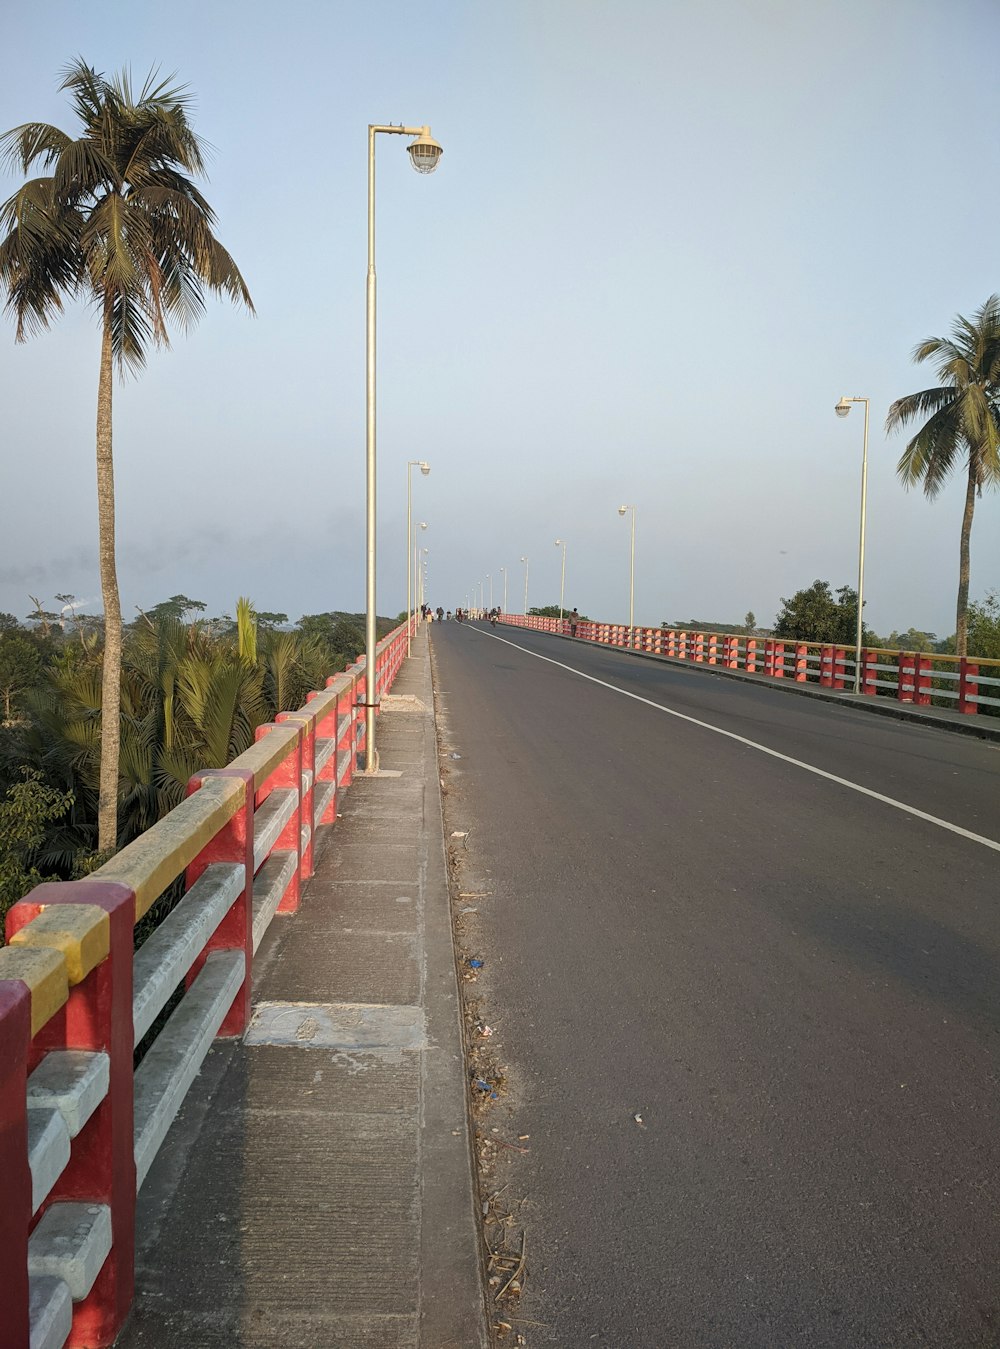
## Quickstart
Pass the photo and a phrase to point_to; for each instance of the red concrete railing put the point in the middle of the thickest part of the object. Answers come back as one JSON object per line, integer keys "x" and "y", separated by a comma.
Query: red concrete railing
{"x": 911, "y": 677}
{"x": 79, "y": 1128}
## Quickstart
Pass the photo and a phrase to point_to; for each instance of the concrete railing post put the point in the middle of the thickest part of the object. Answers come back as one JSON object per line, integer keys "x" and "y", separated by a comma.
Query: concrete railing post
{"x": 15, "y": 1211}
{"x": 968, "y": 686}
{"x": 96, "y": 1017}
{"x": 233, "y": 843}
{"x": 307, "y": 722}
{"x": 288, "y": 774}
{"x": 326, "y": 729}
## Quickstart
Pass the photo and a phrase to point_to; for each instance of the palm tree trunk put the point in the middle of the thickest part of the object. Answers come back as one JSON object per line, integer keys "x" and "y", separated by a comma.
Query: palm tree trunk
{"x": 962, "y": 615}
{"x": 107, "y": 810}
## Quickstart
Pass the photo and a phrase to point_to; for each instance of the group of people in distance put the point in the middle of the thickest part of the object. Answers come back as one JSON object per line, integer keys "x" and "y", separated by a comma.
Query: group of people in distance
{"x": 461, "y": 615}
{"x": 492, "y": 615}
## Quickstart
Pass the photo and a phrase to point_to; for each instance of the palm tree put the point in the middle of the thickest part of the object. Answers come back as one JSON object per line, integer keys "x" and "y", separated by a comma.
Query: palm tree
{"x": 963, "y": 424}
{"x": 118, "y": 220}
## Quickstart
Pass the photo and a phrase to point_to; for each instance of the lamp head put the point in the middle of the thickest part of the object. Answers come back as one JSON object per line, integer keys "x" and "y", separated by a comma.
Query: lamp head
{"x": 423, "y": 524}
{"x": 560, "y": 543}
{"x": 843, "y": 407}
{"x": 622, "y": 510}
{"x": 524, "y": 559}
{"x": 425, "y": 151}
{"x": 425, "y": 467}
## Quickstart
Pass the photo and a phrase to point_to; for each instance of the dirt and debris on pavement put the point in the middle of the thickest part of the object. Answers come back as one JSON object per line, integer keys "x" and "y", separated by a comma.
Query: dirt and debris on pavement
{"x": 497, "y": 1142}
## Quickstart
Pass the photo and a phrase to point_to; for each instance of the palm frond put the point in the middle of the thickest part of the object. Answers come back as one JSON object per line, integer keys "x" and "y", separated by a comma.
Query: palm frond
{"x": 88, "y": 89}
{"x": 20, "y": 147}
{"x": 934, "y": 451}
{"x": 82, "y": 168}
{"x": 222, "y": 275}
{"x": 924, "y": 403}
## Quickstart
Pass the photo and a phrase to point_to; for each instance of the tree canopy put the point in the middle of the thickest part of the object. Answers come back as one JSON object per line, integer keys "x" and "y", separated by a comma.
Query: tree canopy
{"x": 816, "y": 614}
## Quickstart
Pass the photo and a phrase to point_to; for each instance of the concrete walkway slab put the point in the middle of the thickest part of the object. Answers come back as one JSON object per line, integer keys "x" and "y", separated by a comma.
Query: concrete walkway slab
{"x": 316, "y": 1189}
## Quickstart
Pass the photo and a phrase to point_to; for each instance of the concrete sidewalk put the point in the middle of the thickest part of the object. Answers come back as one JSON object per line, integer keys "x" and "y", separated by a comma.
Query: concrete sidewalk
{"x": 316, "y": 1189}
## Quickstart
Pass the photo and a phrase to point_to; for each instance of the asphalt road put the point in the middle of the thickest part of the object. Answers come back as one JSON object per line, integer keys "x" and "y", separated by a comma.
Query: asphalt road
{"x": 791, "y": 980}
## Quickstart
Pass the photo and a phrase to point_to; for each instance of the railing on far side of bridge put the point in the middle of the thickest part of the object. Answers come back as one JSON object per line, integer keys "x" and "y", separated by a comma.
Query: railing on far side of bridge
{"x": 79, "y": 1126}
{"x": 965, "y": 684}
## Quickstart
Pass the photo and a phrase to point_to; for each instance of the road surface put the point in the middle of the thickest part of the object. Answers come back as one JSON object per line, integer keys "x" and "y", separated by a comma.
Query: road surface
{"x": 769, "y": 928}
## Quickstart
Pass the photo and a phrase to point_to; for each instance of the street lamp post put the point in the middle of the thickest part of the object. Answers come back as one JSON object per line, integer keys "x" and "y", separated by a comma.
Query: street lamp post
{"x": 422, "y": 574}
{"x": 421, "y": 525}
{"x": 503, "y": 573}
{"x": 489, "y": 579}
{"x": 425, "y": 468}
{"x": 561, "y": 543}
{"x": 525, "y": 561}
{"x": 842, "y": 409}
{"x": 424, "y": 154}
{"x": 631, "y": 578}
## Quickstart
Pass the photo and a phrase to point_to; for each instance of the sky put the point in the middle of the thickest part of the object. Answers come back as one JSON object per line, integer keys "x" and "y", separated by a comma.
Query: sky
{"x": 664, "y": 238}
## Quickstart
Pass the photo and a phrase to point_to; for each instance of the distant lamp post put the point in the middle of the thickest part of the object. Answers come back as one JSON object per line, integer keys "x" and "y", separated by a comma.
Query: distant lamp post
{"x": 842, "y": 409}
{"x": 416, "y": 603}
{"x": 622, "y": 510}
{"x": 425, "y": 468}
{"x": 422, "y": 574}
{"x": 525, "y": 561}
{"x": 489, "y": 582}
{"x": 424, "y": 155}
{"x": 503, "y": 573}
{"x": 561, "y": 543}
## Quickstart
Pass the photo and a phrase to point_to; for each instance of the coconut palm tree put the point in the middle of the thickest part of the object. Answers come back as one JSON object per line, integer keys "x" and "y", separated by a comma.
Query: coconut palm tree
{"x": 116, "y": 219}
{"x": 963, "y": 424}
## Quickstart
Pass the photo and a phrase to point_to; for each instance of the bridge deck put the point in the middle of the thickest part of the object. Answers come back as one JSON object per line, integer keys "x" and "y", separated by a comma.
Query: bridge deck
{"x": 316, "y": 1189}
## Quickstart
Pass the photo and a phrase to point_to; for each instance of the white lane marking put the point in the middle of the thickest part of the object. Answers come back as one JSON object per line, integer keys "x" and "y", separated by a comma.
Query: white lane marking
{"x": 753, "y": 744}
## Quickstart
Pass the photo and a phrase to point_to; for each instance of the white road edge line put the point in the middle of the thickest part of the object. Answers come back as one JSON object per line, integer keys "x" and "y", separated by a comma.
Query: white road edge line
{"x": 753, "y": 744}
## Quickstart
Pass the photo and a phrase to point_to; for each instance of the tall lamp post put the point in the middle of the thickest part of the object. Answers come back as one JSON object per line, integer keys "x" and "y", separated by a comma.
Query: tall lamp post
{"x": 424, "y": 154}
{"x": 425, "y": 468}
{"x": 842, "y": 409}
{"x": 525, "y": 561}
{"x": 422, "y": 574}
{"x": 503, "y": 573}
{"x": 416, "y": 601}
{"x": 489, "y": 581}
{"x": 561, "y": 543}
{"x": 631, "y": 577}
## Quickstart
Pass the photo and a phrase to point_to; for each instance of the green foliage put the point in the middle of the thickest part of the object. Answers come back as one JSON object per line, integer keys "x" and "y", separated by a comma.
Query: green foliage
{"x": 552, "y": 611}
{"x": 984, "y": 627}
{"x": 27, "y": 809}
{"x": 20, "y": 666}
{"x": 177, "y": 607}
{"x": 342, "y": 635}
{"x": 817, "y": 615}
{"x": 702, "y": 625}
{"x": 191, "y": 698}
{"x": 913, "y": 639}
